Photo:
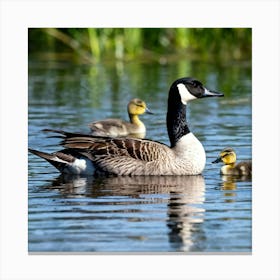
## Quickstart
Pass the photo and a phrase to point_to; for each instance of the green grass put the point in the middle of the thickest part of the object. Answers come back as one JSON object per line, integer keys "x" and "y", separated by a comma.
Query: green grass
{"x": 94, "y": 44}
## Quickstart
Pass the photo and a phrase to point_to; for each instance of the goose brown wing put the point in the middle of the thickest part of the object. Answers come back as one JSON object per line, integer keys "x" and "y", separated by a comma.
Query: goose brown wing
{"x": 96, "y": 147}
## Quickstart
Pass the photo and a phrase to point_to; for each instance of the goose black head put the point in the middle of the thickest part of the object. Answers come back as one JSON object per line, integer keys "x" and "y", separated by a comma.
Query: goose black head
{"x": 190, "y": 89}
{"x": 182, "y": 91}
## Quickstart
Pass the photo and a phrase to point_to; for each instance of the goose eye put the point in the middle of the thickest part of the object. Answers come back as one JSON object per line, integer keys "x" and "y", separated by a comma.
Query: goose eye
{"x": 192, "y": 84}
{"x": 196, "y": 85}
{"x": 195, "y": 88}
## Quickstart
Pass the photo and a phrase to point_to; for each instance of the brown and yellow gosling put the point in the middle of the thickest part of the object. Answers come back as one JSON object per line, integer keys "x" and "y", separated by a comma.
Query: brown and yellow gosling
{"x": 118, "y": 127}
{"x": 228, "y": 157}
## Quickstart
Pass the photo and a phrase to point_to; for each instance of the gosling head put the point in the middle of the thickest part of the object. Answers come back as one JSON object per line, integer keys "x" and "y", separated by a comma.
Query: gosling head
{"x": 227, "y": 156}
{"x": 137, "y": 106}
{"x": 190, "y": 89}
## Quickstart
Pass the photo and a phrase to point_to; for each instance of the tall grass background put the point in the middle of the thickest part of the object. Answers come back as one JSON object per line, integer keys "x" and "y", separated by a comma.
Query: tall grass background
{"x": 94, "y": 44}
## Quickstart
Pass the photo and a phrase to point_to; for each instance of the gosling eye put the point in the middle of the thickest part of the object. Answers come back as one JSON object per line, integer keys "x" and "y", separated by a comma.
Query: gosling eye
{"x": 140, "y": 104}
{"x": 227, "y": 154}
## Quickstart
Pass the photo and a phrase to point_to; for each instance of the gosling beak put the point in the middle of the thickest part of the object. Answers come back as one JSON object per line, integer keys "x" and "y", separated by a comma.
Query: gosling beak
{"x": 211, "y": 93}
{"x": 219, "y": 159}
{"x": 148, "y": 111}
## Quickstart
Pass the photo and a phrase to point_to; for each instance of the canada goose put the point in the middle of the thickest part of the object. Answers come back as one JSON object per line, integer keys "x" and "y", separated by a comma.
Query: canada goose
{"x": 85, "y": 154}
{"x": 228, "y": 157}
{"x": 118, "y": 127}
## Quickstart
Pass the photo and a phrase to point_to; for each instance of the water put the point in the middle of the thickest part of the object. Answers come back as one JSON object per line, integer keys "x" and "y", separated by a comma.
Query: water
{"x": 207, "y": 213}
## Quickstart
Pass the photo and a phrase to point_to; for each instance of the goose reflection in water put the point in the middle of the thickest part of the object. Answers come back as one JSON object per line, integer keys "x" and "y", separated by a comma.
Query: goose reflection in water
{"x": 183, "y": 196}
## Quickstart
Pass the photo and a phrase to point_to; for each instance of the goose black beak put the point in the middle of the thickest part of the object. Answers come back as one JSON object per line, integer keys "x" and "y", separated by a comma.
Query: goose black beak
{"x": 219, "y": 159}
{"x": 211, "y": 93}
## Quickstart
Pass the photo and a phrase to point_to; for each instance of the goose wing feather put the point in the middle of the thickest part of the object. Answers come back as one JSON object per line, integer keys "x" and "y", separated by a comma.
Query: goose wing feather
{"x": 120, "y": 156}
{"x": 139, "y": 149}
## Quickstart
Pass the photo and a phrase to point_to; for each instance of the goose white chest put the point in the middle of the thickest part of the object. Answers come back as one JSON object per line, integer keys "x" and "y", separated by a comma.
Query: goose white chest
{"x": 190, "y": 155}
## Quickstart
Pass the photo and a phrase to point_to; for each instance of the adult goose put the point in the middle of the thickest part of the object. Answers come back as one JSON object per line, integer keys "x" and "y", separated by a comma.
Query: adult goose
{"x": 85, "y": 154}
{"x": 119, "y": 127}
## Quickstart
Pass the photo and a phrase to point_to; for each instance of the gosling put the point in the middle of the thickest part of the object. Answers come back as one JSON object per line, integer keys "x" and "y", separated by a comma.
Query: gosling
{"x": 228, "y": 157}
{"x": 118, "y": 127}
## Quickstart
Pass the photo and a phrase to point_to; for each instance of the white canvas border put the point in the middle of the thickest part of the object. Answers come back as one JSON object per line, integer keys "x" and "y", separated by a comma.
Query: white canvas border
{"x": 17, "y": 16}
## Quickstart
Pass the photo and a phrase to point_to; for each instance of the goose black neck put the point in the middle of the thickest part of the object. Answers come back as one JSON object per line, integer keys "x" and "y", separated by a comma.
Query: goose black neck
{"x": 176, "y": 119}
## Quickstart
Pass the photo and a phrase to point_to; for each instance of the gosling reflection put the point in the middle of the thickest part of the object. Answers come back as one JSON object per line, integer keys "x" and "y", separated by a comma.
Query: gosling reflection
{"x": 182, "y": 195}
{"x": 229, "y": 185}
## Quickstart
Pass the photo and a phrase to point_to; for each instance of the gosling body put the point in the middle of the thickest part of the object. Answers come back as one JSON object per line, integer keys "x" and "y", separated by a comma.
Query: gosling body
{"x": 230, "y": 167}
{"x": 130, "y": 156}
{"x": 118, "y": 127}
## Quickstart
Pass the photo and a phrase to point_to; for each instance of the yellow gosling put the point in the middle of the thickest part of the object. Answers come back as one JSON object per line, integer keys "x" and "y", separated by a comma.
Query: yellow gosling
{"x": 228, "y": 157}
{"x": 118, "y": 127}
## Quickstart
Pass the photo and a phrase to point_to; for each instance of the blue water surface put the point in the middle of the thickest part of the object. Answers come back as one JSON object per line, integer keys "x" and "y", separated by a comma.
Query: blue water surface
{"x": 206, "y": 213}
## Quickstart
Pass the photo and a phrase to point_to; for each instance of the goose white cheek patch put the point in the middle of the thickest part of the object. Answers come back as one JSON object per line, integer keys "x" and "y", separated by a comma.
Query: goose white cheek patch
{"x": 185, "y": 94}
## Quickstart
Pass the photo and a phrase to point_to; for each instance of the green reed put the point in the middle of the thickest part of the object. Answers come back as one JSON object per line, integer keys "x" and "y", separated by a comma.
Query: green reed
{"x": 93, "y": 44}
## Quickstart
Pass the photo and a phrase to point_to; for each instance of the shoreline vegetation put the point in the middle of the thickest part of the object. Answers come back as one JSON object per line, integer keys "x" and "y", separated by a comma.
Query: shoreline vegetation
{"x": 91, "y": 45}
